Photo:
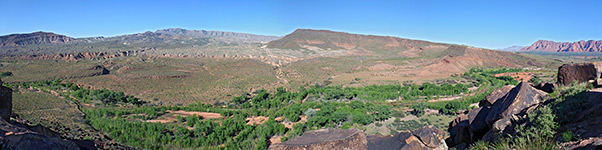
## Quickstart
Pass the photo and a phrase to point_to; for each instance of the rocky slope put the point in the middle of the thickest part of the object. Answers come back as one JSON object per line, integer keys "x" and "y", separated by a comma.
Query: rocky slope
{"x": 551, "y": 46}
{"x": 497, "y": 114}
{"x": 19, "y": 136}
{"x": 33, "y": 38}
{"x": 427, "y": 137}
{"x": 352, "y": 139}
{"x": 508, "y": 107}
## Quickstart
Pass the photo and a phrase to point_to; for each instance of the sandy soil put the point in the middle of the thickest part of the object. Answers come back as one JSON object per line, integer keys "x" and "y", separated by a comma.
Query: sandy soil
{"x": 205, "y": 115}
{"x": 275, "y": 139}
{"x": 445, "y": 99}
{"x": 518, "y": 76}
{"x": 256, "y": 120}
{"x": 171, "y": 115}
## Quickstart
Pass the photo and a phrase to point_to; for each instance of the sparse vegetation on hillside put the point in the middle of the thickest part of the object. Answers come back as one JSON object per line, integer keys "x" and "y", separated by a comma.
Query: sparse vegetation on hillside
{"x": 308, "y": 108}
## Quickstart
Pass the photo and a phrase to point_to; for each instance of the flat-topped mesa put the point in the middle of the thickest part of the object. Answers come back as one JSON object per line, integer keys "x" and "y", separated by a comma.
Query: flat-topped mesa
{"x": 326, "y": 139}
{"x": 33, "y": 38}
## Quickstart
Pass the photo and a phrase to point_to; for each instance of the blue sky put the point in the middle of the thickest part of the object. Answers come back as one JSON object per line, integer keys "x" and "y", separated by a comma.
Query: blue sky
{"x": 488, "y": 24}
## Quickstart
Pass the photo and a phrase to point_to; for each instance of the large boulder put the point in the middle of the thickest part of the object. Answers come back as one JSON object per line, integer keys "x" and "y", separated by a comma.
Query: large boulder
{"x": 513, "y": 107}
{"x": 497, "y": 111}
{"x": 458, "y": 130}
{"x": 548, "y": 87}
{"x": 477, "y": 124}
{"x": 425, "y": 138}
{"x": 495, "y": 95}
{"x": 569, "y": 73}
{"x": 6, "y": 102}
{"x": 326, "y": 139}
{"x": 16, "y": 137}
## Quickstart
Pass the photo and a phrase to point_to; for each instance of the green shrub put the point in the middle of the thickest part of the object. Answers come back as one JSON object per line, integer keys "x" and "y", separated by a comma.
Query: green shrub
{"x": 567, "y": 136}
{"x": 6, "y": 74}
{"x": 479, "y": 145}
{"x": 418, "y": 109}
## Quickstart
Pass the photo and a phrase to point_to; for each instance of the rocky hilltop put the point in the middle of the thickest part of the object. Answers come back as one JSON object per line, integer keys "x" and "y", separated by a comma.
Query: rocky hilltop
{"x": 551, "y": 46}
{"x": 33, "y": 38}
{"x": 509, "y": 109}
{"x": 325, "y": 39}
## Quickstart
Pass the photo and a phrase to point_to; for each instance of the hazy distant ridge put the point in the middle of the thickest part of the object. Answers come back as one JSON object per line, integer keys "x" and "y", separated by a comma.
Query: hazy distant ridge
{"x": 230, "y": 36}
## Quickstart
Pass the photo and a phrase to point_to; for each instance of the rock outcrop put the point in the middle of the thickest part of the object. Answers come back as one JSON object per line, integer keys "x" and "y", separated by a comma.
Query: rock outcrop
{"x": 548, "y": 87}
{"x": 569, "y": 73}
{"x": 74, "y": 57}
{"x": 18, "y": 137}
{"x": 495, "y": 95}
{"x": 587, "y": 123}
{"x": 512, "y": 108}
{"x": 551, "y": 46}
{"x": 490, "y": 121}
{"x": 6, "y": 102}
{"x": 326, "y": 139}
{"x": 428, "y": 138}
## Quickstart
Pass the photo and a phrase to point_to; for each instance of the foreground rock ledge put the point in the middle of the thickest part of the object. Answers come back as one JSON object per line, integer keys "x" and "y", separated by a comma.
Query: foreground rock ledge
{"x": 427, "y": 138}
{"x": 498, "y": 113}
{"x": 326, "y": 139}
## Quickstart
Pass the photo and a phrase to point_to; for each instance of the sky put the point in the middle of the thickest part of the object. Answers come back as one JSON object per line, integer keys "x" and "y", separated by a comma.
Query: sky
{"x": 486, "y": 24}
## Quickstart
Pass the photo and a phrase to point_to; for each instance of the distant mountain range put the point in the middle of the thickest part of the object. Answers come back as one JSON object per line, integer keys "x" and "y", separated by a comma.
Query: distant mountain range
{"x": 231, "y": 36}
{"x": 298, "y": 45}
{"x": 164, "y": 35}
{"x": 512, "y": 48}
{"x": 551, "y": 46}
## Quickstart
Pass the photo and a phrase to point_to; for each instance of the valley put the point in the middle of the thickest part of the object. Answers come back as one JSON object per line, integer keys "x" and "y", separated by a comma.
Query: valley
{"x": 189, "y": 89}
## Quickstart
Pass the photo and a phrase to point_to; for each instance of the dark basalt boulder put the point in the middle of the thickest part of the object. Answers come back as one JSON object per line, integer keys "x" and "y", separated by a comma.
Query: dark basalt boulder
{"x": 513, "y": 107}
{"x": 458, "y": 130}
{"x": 326, "y": 139}
{"x": 569, "y": 73}
{"x": 499, "y": 110}
{"x": 6, "y": 102}
{"x": 477, "y": 124}
{"x": 495, "y": 95}
{"x": 425, "y": 138}
{"x": 548, "y": 87}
